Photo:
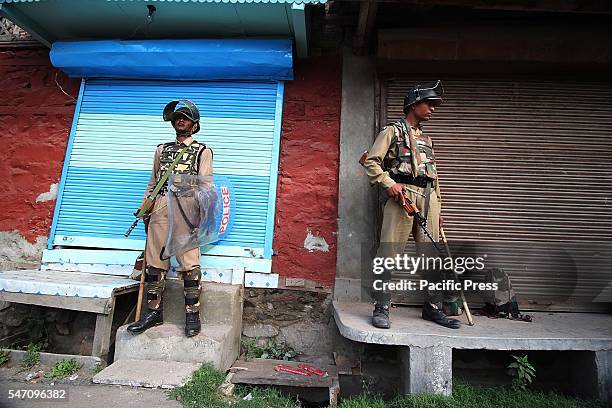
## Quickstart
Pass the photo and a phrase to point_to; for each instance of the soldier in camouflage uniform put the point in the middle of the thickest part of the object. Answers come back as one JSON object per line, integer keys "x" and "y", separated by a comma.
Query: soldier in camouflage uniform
{"x": 197, "y": 160}
{"x": 402, "y": 156}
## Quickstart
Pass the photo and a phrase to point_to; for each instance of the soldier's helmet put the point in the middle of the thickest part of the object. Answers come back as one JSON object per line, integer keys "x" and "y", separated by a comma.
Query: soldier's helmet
{"x": 189, "y": 109}
{"x": 420, "y": 93}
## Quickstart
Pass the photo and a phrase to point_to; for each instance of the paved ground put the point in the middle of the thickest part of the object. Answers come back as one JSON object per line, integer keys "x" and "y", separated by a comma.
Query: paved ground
{"x": 80, "y": 392}
{"x": 93, "y": 396}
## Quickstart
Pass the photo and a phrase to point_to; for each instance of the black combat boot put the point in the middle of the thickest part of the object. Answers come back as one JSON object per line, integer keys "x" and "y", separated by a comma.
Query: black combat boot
{"x": 192, "y": 324}
{"x": 150, "y": 319}
{"x": 380, "y": 316}
{"x": 437, "y": 316}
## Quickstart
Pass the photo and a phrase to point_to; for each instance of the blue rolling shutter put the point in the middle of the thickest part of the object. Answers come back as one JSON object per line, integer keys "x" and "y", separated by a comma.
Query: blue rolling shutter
{"x": 117, "y": 127}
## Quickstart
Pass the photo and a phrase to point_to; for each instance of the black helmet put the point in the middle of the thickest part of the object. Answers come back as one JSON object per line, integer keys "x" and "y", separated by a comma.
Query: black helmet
{"x": 420, "y": 93}
{"x": 190, "y": 110}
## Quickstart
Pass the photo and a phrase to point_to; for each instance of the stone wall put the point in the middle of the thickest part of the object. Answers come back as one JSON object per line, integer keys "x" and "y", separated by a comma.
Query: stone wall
{"x": 299, "y": 318}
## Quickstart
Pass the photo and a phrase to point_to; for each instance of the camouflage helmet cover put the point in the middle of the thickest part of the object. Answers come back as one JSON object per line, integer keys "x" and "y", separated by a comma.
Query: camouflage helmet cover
{"x": 420, "y": 93}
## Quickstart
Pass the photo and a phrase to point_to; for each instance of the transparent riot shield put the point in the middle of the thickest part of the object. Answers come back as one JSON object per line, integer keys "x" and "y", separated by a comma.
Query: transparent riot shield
{"x": 200, "y": 212}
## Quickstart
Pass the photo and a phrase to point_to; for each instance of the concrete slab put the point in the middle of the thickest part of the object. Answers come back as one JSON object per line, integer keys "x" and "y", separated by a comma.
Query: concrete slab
{"x": 425, "y": 348}
{"x": 215, "y": 344}
{"x": 548, "y": 331}
{"x": 146, "y": 373}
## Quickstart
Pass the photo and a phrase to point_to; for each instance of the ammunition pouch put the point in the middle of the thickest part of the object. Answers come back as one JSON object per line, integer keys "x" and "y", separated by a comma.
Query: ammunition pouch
{"x": 414, "y": 155}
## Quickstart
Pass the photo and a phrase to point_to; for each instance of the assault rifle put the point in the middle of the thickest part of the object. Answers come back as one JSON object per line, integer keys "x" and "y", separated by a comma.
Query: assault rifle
{"x": 145, "y": 209}
{"x": 147, "y": 205}
{"x": 412, "y": 210}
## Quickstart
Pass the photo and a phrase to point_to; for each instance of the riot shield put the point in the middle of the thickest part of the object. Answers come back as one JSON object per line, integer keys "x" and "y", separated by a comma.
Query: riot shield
{"x": 200, "y": 212}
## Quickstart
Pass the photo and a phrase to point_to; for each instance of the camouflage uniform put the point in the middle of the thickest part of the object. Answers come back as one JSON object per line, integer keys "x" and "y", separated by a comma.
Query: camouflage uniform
{"x": 197, "y": 160}
{"x": 383, "y": 167}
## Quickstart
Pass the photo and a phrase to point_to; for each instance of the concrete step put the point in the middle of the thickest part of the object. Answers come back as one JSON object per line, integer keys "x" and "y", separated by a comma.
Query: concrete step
{"x": 218, "y": 342}
{"x": 145, "y": 373}
{"x": 219, "y": 303}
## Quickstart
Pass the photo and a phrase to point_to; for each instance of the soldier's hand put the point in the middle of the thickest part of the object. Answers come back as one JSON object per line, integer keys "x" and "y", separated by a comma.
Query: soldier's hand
{"x": 396, "y": 192}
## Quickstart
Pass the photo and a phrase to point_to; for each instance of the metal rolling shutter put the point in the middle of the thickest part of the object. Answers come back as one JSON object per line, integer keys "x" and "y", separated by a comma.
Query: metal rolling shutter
{"x": 117, "y": 126}
{"x": 524, "y": 160}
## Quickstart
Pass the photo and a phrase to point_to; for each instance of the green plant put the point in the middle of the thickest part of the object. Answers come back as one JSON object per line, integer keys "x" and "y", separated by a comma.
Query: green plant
{"x": 270, "y": 349}
{"x": 262, "y": 397}
{"x": 202, "y": 390}
{"x": 470, "y": 396}
{"x": 32, "y": 355}
{"x": 63, "y": 368}
{"x": 522, "y": 371}
{"x": 97, "y": 368}
{"x": 4, "y": 357}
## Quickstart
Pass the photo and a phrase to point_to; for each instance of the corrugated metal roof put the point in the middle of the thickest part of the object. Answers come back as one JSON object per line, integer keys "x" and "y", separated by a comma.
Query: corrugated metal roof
{"x": 233, "y": 1}
{"x": 197, "y": 1}
{"x": 69, "y": 20}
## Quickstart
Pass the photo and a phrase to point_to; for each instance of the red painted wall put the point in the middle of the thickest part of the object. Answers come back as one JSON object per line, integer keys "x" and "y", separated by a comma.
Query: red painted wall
{"x": 35, "y": 119}
{"x": 307, "y": 195}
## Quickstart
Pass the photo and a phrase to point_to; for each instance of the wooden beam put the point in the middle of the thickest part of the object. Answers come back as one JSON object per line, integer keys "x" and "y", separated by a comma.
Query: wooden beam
{"x": 103, "y": 331}
{"x": 81, "y": 304}
{"x": 36, "y": 31}
{"x": 366, "y": 20}
{"x": 554, "y": 6}
{"x": 298, "y": 24}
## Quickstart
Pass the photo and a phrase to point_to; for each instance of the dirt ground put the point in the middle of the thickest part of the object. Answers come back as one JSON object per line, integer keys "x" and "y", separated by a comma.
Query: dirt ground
{"x": 78, "y": 393}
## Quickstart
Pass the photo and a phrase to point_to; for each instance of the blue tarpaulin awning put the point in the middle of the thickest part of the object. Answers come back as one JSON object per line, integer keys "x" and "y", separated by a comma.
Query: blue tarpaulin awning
{"x": 214, "y": 59}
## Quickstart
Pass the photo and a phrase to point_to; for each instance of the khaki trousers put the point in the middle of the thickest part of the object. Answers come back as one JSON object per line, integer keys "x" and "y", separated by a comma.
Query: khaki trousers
{"x": 189, "y": 262}
{"x": 396, "y": 230}
{"x": 156, "y": 239}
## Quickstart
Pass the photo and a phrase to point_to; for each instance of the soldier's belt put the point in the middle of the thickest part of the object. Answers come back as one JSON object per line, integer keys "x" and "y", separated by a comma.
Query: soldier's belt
{"x": 415, "y": 181}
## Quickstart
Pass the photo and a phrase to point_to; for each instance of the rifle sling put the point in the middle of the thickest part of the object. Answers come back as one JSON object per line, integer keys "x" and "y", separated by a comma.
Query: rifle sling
{"x": 165, "y": 176}
{"x": 427, "y": 198}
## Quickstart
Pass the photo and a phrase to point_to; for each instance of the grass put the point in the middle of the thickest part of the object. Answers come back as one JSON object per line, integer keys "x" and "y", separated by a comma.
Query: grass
{"x": 97, "y": 368}
{"x": 263, "y": 397}
{"x": 270, "y": 349}
{"x": 4, "y": 357}
{"x": 63, "y": 368}
{"x": 202, "y": 391}
{"x": 467, "y": 396}
{"x": 32, "y": 355}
